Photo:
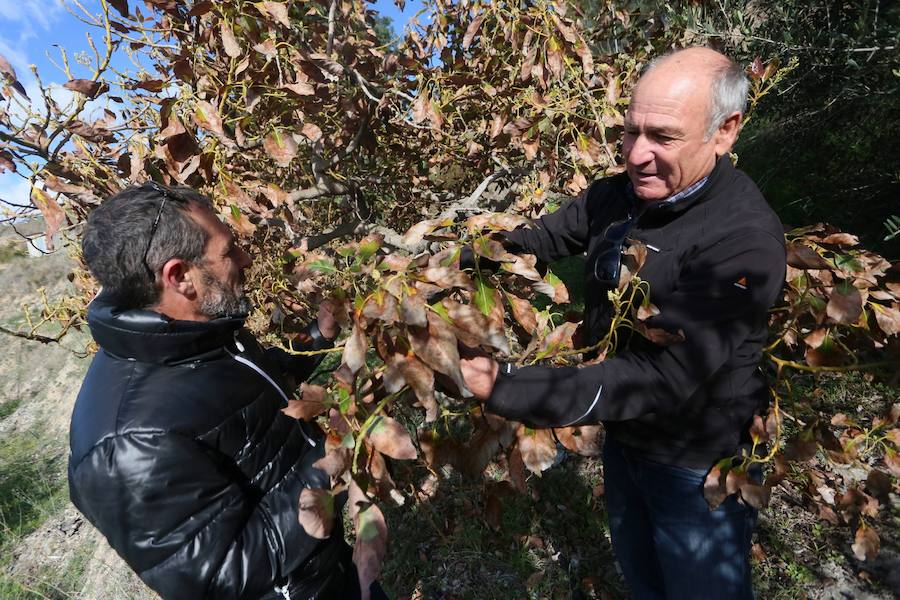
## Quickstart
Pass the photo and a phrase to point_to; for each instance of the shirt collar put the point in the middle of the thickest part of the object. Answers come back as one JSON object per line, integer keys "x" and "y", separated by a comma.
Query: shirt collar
{"x": 685, "y": 192}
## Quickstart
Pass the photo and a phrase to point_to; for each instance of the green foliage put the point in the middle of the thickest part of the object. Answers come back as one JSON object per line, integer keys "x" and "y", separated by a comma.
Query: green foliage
{"x": 819, "y": 148}
{"x": 30, "y": 487}
{"x": 892, "y": 224}
{"x": 9, "y": 252}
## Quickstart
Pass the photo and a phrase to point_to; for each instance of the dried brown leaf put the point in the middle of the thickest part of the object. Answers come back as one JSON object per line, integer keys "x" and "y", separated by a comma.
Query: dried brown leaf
{"x": 311, "y": 403}
{"x": 281, "y": 147}
{"x": 523, "y": 266}
{"x": 355, "y": 349}
{"x": 88, "y": 87}
{"x": 448, "y": 277}
{"x": 560, "y": 339}
{"x": 472, "y": 31}
{"x": 517, "y": 470}
{"x": 801, "y": 256}
{"x": 335, "y": 462}
{"x": 867, "y": 543}
{"x": 887, "y": 317}
{"x": 316, "y": 512}
{"x": 841, "y": 239}
{"x": 585, "y": 440}
{"x": 276, "y": 11}
{"x": 121, "y": 7}
{"x": 52, "y": 212}
{"x": 6, "y": 162}
{"x": 390, "y": 437}
{"x": 755, "y": 495}
{"x": 300, "y": 88}
{"x": 371, "y": 536}
{"x": 437, "y": 347}
{"x": 713, "y": 487}
{"x": 421, "y": 379}
{"x": 538, "y": 448}
{"x": 473, "y": 328}
{"x": 413, "y": 310}
{"x": 845, "y": 304}
{"x": 523, "y": 312}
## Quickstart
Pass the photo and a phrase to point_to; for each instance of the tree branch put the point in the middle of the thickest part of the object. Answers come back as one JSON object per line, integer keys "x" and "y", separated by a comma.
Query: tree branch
{"x": 35, "y": 337}
{"x": 326, "y": 187}
{"x": 354, "y": 144}
{"x": 331, "y": 14}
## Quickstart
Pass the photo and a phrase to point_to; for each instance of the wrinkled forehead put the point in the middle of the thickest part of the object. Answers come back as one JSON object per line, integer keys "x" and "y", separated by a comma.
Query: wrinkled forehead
{"x": 665, "y": 95}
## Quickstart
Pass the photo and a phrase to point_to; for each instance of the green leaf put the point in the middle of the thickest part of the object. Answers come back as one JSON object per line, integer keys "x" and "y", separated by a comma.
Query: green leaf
{"x": 322, "y": 265}
{"x": 343, "y": 398}
{"x": 816, "y": 303}
{"x": 367, "y": 249}
{"x": 847, "y": 262}
{"x": 451, "y": 258}
{"x": 441, "y": 310}
{"x": 235, "y": 212}
{"x": 484, "y": 296}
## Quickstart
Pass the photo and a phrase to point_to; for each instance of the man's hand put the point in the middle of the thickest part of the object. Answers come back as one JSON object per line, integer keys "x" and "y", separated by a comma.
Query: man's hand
{"x": 328, "y": 325}
{"x": 480, "y": 373}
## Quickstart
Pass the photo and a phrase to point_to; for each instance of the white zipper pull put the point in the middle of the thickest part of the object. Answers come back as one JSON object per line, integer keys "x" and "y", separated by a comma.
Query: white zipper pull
{"x": 271, "y": 381}
{"x": 237, "y": 342}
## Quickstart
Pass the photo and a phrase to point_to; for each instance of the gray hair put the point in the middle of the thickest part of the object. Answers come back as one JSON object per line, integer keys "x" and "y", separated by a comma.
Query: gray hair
{"x": 728, "y": 91}
{"x": 730, "y": 87}
{"x": 118, "y": 231}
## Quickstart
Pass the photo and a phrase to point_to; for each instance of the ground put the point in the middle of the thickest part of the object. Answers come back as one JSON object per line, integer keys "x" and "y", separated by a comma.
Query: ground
{"x": 552, "y": 543}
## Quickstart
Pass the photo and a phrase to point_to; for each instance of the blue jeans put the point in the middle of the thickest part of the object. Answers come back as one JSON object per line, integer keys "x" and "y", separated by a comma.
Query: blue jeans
{"x": 667, "y": 541}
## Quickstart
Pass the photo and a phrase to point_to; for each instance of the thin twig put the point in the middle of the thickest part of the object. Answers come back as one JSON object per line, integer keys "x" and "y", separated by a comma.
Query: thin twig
{"x": 331, "y": 14}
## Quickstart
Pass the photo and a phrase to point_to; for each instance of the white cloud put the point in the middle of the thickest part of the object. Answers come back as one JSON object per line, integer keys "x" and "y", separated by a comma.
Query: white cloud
{"x": 14, "y": 189}
{"x": 28, "y": 13}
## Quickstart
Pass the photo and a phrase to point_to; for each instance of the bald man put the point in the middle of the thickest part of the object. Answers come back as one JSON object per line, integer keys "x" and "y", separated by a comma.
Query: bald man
{"x": 715, "y": 265}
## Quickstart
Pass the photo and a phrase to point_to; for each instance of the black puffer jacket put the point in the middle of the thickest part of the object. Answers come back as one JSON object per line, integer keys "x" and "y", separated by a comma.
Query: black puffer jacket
{"x": 182, "y": 458}
{"x": 715, "y": 265}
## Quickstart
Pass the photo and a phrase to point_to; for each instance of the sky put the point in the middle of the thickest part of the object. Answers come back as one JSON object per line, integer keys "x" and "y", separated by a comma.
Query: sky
{"x": 29, "y": 30}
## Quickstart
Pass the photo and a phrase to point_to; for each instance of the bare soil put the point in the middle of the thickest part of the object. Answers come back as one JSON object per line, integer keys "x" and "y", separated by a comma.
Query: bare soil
{"x": 64, "y": 554}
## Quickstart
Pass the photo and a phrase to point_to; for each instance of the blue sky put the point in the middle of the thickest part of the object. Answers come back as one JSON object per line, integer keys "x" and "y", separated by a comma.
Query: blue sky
{"x": 29, "y": 29}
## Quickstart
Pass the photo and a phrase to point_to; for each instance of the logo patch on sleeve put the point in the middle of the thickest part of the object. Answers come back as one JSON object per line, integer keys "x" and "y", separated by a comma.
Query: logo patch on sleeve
{"x": 741, "y": 283}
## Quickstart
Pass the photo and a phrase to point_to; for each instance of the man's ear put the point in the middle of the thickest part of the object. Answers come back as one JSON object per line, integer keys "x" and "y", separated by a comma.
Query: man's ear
{"x": 727, "y": 133}
{"x": 176, "y": 277}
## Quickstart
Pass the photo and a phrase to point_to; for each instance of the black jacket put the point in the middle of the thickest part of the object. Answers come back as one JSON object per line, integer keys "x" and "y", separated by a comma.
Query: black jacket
{"x": 182, "y": 458}
{"x": 715, "y": 265}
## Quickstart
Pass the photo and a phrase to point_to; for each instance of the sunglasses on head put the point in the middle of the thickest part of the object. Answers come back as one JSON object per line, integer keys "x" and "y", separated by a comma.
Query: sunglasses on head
{"x": 166, "y": 194}
{"x": 608, "y": 264}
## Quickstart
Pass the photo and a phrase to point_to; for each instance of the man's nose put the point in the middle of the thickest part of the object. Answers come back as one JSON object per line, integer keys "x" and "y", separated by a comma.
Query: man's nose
{"x": 640, "y": 151}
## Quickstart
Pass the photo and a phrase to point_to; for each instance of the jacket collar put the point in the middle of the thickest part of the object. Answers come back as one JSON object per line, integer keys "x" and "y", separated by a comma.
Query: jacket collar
{"x": 148, "y": 336}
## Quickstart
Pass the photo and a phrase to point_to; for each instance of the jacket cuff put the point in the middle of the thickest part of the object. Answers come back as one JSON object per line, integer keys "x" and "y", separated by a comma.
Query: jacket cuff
{"x": 317, "y": 340}
{"x": 503, "y": 400}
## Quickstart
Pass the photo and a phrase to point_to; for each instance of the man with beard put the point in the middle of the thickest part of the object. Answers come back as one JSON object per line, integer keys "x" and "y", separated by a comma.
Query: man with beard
{"x": 180, "y": 452}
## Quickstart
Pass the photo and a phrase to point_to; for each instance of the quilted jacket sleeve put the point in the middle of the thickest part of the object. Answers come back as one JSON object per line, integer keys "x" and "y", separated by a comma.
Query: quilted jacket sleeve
{"x": 562, "y": 233}
{"x": 188, "y": 527}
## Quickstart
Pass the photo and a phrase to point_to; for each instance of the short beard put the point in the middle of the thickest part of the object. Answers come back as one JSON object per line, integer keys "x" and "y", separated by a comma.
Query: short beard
{"x": 220, "y": 300}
